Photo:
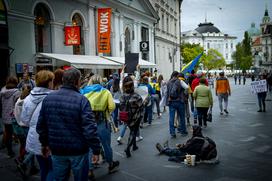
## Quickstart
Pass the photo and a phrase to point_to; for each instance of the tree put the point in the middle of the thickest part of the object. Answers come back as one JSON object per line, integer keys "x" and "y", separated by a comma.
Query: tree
{"x": 190, "y": 51}
{"x": 213, "y": 60}
{"x": 242, "y": 56}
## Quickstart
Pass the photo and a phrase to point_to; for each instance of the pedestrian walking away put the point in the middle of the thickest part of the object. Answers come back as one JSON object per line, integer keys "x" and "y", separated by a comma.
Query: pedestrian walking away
{"x": 175, "y": 101}
{"x": 67, "y": 129}
{"x": 222, "y": 90}
{"x": 204, "y": 101}
{"x": 102, "y": 105}
{"x": 29, "y": 116}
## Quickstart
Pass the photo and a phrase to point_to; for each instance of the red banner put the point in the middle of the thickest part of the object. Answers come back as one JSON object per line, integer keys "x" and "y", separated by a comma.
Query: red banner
{"x": 72, "y": 35}
{"x": 104, "y": 30}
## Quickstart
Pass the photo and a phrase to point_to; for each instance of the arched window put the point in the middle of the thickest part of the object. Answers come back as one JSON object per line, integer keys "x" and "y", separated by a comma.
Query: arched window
{"x": 79, "y": 49}
{"x": 127, "y": 41}
{"x": 42, "y": 28}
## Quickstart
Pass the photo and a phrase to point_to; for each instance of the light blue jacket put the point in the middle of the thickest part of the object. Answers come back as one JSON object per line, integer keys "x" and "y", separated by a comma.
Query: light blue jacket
{"x": 29, "y": 116}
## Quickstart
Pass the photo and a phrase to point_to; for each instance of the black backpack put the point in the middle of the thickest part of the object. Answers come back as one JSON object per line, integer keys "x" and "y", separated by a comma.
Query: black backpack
{"x": 174, "y": 89}
{"x": 208, "y": 150}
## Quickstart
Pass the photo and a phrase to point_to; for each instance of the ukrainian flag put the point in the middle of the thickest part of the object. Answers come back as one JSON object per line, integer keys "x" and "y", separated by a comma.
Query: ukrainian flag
{"x": 191, "y": 65}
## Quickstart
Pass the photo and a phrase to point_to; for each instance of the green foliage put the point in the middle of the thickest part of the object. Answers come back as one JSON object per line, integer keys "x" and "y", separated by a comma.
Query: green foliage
{"x": 242, "y": 56}
{"x": 190, "y": 51}
{"x": 213, "y": 60}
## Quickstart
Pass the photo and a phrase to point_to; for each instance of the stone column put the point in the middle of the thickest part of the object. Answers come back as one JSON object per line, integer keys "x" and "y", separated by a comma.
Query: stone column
{"x": 151, "y": 44}
{"x": 135, "y": 42}
{"x": 139, "y": 37}
{"x": 122, "y": 36}
{"x": 92, "y": 41}
{"x": 116, "y": 44}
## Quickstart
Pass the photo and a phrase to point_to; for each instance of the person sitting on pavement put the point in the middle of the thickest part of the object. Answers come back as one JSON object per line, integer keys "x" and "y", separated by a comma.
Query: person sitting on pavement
{"x": 203, "y": 147}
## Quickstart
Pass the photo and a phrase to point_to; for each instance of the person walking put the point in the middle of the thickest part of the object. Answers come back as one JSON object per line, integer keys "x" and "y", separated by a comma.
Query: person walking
{"x": 67, "y": 129}
{"x": 175, "y": 101}
{"x": 148, "y": 108}
{"x": 204, "y": 101}
{"x": 8, "y": 97}
{"x": 132, "y": 103}
{"x": 26, "y": 80}
{"x": 102, "y": 105}
{"x": 21, "y": 130}
{"x": 235, "y": 78}
{"x": 222, "y": 90}
{"x": 244, "y": 79}
{"x": 29, "y": 116}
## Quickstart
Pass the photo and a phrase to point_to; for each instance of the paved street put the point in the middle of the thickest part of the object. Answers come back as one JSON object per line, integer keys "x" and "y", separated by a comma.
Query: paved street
{"x": 243, "y": 141}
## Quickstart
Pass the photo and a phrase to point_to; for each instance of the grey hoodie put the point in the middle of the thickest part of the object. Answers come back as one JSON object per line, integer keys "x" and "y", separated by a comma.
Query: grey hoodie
{"x": 8, "y": 99}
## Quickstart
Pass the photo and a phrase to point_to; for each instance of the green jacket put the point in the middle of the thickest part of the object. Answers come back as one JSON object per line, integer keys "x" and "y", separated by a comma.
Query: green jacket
{"x": 203, "y": 96}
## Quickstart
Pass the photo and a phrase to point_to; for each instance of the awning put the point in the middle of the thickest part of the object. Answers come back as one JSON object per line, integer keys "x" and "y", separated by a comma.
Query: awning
{"x": 142, "y": 63}
{"x": 84, "y": 61}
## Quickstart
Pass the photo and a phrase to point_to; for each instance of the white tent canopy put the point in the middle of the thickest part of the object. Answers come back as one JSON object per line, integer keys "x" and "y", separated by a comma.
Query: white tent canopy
{"x": 142, "y": 63}
{"x": 85, "y": 61}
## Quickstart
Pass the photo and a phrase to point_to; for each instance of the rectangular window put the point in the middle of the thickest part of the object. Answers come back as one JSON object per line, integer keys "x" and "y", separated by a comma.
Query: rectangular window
{"x": 167, "y": 24}
{"x": 144, "y": 34}
{"x": 226, "y": 45}
{"x": 208, "y": 45}
{"x": 175, "y": 31}
{"x": 231, "y": 45}
{"x": 227, "y": 56}
{"x": 162, "y": 21}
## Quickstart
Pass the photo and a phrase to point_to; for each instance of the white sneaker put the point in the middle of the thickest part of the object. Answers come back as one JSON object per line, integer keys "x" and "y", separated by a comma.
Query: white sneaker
{"x": 140, "y": 138}
{"x": 119, "y": 140}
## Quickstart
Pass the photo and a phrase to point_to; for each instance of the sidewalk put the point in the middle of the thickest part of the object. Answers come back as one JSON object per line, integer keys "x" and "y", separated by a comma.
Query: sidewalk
{"x": 243, "y": 140}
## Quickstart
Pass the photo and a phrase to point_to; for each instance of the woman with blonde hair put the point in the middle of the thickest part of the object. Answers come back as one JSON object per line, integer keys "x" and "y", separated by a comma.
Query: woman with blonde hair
{"x": 102, "y": 105}
{"x": 29, "y": 116}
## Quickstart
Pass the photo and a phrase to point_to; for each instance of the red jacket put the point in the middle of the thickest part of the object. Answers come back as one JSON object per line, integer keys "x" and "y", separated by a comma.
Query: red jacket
{"x": 196, "y": 83}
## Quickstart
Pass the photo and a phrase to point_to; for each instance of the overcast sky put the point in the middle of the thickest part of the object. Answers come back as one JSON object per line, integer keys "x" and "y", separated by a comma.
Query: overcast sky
{"x": 231, "y": 17}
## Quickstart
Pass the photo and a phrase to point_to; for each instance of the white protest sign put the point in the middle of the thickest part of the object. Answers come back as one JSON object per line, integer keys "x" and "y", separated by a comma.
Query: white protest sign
{"x": 142, "y": 91}
{"x": 258, "y": 86}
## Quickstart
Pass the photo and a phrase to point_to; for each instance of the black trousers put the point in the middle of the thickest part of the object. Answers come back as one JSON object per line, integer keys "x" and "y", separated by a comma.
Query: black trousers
{"x": 202, "y": 115}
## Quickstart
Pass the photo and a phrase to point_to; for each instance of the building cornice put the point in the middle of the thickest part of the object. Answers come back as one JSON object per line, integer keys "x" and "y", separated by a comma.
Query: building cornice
{"x": 136, "y": 11}
{"x": 19, "y": 15}
{"x": 167, "y": 40}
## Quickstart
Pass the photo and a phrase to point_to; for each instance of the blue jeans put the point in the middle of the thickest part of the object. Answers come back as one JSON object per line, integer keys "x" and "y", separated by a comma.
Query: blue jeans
{"x": 221, "y": 98}
{"x": 123, "y": 130}
{"x": 104, "y": 134}
{"x": 180, "y": 108}
{"x": 261, "y": 100}
{"x": 63, "y": 164}
{"x": 148, "y": 114}
{"x": 46, "y": 170}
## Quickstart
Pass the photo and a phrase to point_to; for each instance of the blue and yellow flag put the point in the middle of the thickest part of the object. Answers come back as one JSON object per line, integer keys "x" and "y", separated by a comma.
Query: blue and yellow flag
{"x": 191, "y": 65}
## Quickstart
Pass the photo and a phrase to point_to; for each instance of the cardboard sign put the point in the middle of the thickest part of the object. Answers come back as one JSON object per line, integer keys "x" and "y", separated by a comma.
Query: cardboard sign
{"x": 258, "y": 86}
{"x": 131, "y": 61}
{"x": 72, "y": 35}
{"x": 104, "y": 30}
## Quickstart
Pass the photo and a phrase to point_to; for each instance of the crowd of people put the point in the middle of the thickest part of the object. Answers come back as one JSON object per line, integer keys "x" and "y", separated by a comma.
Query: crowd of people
{"x": 64, "y": 120}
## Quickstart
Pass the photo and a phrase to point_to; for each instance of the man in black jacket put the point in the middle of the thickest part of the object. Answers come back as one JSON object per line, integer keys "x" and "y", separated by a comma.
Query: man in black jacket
{"x": 67, "y": 129}
{"x": 203, "y": 147}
